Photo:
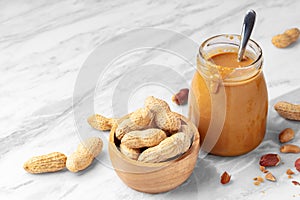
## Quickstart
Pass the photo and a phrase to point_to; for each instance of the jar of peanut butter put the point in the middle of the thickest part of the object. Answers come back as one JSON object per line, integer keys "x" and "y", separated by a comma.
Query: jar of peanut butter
{"x": 228, "y": 99}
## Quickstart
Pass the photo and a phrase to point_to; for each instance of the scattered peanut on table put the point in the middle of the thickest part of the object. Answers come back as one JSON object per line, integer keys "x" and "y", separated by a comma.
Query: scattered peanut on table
{"x": 84, "y": 155}
{"x": 288, "y": 110}
{"x": 286, "y": 135}
{"x": 100, "y": 122}
{"x": 269, "y": 160}
{"x": 296, "y": 183}
{"x": 257, "y": 183}
{"x": 181, "y": 98}
{"x": 297, "y": 164}
{"x": 289, "y": 172}
{"x": 287, "y": 38}
{"x": 263, "y": 169}
{"x": 225, "y": 178}
{"x": 270, "y": 177}
{"x": 258, "y": 180}
{"x": 57, "y": 161}
{"x": 289, "y": 148}
{"x": 51, "y": 162}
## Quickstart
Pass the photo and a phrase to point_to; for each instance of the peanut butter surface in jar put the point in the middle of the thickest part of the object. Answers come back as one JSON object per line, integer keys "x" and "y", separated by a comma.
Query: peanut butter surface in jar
{"x": 228, "y": 99}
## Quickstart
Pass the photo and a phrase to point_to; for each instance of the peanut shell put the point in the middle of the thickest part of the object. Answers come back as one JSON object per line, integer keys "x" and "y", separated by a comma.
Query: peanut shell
{"x": 51, "y": 162}
{"x": 142, "y": 117}
{"x": 129, "y": 152}
{"x": 168, "y": 148}
{"x": 144, "y": 138}
{"x": 288, "y": 110}
{"x": 100, "y": 122}
{"x": 84, "y": 155}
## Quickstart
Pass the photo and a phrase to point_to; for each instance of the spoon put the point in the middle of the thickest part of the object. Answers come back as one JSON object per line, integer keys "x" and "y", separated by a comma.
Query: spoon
{"x": 248, "y": 25}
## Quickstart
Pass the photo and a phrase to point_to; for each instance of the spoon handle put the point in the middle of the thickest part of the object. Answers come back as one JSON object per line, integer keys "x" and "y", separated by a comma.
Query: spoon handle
{"x": 248, "y": 25}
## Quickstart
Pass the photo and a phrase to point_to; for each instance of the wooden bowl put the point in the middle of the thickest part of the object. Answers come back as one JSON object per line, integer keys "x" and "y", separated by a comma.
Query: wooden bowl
{"x": 154, "y": 177}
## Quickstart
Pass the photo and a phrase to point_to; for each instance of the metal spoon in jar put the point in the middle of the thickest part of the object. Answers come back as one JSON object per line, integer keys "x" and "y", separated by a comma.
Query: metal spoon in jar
{"x": 248, "y": 25}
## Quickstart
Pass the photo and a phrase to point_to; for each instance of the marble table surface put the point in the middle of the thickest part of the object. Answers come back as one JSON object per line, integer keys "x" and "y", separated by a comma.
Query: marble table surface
{"x": 46, "y": 46}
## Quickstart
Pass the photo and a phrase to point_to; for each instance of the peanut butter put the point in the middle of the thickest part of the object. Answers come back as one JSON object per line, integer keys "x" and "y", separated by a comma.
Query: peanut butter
{"x": 229, "y": 60}
{"x": 244, "y": 101}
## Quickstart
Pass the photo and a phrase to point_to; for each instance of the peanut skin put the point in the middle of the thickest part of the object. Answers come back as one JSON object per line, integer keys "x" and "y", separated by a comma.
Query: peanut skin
{"x": 84, "y": 155}
{"x": 225, "y": 178}
{"x": 286, "y": 135}
{"x": 269, "y": 160}
{"x": 51, "y": 162}
{"x": 181, "y": 98}
{"x": 297, "y": 164}
{"x": 288, "y": 110}
{"x": 164, "y": 118}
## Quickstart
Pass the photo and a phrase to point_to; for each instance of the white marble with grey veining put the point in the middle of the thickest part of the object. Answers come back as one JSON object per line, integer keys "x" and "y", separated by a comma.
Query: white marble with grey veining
{"x": 43, "y": 45}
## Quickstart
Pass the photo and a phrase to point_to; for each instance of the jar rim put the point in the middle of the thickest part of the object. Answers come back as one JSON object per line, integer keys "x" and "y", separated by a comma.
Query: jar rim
{"x": 250, "y": 43}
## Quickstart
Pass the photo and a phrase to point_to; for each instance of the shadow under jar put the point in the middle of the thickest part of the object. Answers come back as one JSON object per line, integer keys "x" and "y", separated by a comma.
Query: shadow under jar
{"x": 228, "y": 99}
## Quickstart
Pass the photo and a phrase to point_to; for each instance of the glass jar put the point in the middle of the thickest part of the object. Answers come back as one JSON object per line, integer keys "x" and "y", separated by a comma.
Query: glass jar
{"x": 229, "y": 104}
